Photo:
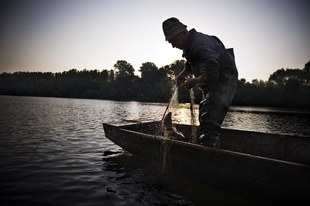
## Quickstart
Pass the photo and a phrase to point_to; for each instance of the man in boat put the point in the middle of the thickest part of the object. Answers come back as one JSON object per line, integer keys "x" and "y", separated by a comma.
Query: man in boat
{"x": 214, "y": 71}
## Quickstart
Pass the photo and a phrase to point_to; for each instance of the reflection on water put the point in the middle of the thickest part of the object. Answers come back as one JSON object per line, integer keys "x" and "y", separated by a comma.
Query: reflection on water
{"x": 270, "y": 120}
{"x": 51, "y": 152}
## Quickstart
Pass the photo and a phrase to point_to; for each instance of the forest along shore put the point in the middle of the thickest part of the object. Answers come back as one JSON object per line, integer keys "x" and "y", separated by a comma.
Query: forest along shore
{"x": 284, "y": 88}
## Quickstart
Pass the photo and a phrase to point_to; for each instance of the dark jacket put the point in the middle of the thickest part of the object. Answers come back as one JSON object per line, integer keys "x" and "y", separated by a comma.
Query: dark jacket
{"x": 207, "y": 56}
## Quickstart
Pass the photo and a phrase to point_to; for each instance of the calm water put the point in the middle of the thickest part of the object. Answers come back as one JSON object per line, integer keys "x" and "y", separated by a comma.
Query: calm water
{"x": 54, "y": 152}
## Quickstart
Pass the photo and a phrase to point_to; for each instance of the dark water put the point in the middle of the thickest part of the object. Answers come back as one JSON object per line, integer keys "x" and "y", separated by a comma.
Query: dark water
{"x": 53, "y": 152}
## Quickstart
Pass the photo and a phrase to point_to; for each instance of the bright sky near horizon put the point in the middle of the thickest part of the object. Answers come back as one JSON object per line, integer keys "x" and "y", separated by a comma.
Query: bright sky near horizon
{"x": 59, "y": 35}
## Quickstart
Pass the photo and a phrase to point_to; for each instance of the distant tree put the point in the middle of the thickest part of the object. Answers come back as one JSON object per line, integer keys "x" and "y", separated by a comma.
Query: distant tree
{"x": 111, "y": 76}
{"x": 281, "y": 76}
{"x": 292, "y": 87}
{"x": 125, "y": 80}
{"x": 148, "y": 81}
{"x": 149, "y": 72}
{"x": 124, "y": 70}
{"x": 104, "y": 75}
{"x": 306, "y": 74}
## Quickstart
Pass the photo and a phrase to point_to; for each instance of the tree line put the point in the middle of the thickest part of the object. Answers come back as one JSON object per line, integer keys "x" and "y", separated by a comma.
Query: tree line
{"x": 284, "y": 88}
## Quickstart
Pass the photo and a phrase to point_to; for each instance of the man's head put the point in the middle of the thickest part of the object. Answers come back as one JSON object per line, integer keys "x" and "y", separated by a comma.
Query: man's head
{"x": 175, "y": 32}
{"x": 172, "y": 27}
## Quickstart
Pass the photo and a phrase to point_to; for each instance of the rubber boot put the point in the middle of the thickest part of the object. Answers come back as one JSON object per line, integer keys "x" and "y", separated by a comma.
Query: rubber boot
{"x": 209, "y": 140}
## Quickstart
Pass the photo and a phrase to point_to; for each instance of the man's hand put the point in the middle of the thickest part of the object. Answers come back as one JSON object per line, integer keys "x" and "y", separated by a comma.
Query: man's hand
{"x": 180, "y": 80}
{"x": 189, "y": 83}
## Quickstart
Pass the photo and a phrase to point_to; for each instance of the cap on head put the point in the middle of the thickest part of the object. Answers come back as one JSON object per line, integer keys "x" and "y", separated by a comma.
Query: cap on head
{"x": 172, "y": 27}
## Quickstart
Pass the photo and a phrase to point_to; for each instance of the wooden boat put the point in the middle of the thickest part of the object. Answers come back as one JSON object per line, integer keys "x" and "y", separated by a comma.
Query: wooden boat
{"x": 271, "y": 167}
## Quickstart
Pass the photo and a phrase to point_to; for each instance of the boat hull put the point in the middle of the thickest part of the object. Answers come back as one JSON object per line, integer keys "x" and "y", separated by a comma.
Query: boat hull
{"x": 266, "y": 178}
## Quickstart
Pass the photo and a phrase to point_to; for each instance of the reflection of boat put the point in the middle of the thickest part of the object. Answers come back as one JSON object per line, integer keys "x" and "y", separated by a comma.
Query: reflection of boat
{"x": 268, "y": 166}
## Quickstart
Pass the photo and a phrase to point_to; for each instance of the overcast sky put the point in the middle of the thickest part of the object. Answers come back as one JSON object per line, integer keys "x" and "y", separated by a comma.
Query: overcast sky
{"x": 59, "y": 35}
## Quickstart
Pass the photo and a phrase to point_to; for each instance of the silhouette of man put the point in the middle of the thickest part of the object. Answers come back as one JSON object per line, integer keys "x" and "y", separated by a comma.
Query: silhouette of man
{"x": 214, "y": 71}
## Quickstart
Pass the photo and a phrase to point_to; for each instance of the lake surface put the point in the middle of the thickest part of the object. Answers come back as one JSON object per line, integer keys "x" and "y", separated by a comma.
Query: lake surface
{"x": 53, "y": 151}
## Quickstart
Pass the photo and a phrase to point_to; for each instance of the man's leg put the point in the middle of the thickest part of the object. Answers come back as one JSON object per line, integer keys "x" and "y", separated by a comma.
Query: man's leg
{"x": 211, "y": 117}
{"x": 213, "y": 109}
